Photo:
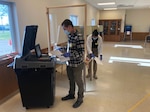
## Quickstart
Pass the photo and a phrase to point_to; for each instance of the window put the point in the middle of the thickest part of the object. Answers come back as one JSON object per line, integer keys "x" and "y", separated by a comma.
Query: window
{"x": 93, "y": 22}
{"x": 7, "y": 45}
{"x": 74, "y": 19}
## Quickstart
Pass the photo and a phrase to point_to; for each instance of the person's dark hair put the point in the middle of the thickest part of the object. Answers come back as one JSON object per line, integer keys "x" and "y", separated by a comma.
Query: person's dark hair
{"x": 95, "y": 33}
{"x": 66, "y": 23}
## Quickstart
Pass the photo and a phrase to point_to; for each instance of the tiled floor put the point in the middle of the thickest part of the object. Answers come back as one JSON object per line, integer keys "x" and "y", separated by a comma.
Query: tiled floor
{"x": 122, "y": 85}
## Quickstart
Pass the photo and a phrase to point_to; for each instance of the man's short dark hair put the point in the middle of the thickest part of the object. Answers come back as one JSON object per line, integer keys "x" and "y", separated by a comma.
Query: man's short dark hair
{"x": 66, "y": 23}
{"x": 95, "y": 33}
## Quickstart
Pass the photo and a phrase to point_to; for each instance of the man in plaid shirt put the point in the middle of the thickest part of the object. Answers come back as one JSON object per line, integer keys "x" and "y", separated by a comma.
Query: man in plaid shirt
{"x": 75, "y": 51}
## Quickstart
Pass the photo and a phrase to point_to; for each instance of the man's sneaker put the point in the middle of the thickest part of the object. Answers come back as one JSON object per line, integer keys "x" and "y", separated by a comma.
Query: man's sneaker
{"x": 68, "y": 97}
{"x": 77, "y": 104}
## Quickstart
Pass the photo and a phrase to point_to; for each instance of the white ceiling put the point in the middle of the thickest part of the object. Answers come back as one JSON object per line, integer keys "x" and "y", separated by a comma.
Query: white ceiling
{"x": 121, "y": 4}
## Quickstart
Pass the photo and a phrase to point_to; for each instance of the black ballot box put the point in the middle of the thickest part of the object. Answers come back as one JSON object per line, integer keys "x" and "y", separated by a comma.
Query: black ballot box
{"x": 36, "y": 80}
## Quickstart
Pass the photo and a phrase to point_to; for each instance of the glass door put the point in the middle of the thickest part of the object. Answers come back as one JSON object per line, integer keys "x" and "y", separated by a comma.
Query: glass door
{"x": 106, "y": 27}
{"x": 113, "y": 25}
{"x": 119, "y": 27}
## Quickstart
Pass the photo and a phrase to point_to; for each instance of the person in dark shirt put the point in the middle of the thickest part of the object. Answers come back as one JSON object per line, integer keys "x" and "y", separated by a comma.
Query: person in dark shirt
{"x": 75, "y": 51}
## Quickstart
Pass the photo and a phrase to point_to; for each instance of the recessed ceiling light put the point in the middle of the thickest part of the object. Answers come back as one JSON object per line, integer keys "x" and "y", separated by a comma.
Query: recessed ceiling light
{"x": 107, "y": 3}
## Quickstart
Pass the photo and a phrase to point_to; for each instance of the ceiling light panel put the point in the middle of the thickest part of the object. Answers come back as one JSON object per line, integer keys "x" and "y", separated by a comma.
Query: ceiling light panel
{"x": 110, "y": 8}
{"x": 106, "y": 3}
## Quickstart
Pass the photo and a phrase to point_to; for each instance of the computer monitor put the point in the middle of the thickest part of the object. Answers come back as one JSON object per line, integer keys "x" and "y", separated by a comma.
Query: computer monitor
{"x": 29, "y": 40}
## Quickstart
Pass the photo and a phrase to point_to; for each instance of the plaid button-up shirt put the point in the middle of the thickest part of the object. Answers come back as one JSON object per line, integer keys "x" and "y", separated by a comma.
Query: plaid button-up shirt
{"x": 76, "y": 49}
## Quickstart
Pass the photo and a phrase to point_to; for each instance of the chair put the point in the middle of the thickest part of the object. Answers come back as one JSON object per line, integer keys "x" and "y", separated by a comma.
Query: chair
{"x": 147, "y": 39}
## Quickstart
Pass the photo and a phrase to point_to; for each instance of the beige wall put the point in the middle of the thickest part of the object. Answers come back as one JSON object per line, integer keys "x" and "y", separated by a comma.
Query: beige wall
{"x": 92, "y": 13}
{"x": 139, "y": 19}
{"x": 31, "y": 12}
{"x": 60, "y": 14}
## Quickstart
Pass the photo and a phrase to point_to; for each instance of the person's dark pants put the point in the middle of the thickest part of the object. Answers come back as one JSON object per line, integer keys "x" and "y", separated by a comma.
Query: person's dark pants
{"x": 75, "y": 76}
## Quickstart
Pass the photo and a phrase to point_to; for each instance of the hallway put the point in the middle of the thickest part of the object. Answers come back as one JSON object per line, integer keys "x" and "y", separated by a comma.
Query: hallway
{"x": 123, "y": 83}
